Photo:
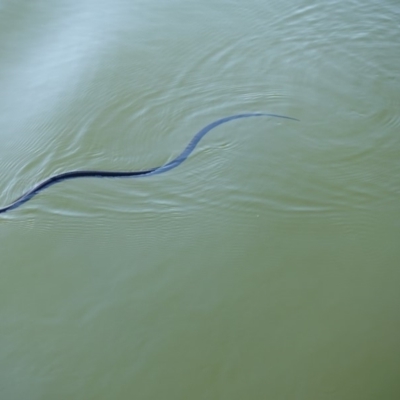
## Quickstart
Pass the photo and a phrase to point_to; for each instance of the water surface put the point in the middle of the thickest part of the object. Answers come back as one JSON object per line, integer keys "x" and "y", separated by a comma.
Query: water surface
{"x": 266, "y": 265}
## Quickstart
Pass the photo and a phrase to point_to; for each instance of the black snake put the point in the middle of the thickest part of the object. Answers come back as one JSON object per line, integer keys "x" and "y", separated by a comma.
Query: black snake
{"x": 148, "y": 172}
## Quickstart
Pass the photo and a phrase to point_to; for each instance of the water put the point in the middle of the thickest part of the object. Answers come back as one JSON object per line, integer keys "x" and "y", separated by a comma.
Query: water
{"x": 265, "y": 266}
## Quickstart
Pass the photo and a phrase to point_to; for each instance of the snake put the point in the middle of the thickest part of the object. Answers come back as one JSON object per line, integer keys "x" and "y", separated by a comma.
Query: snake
{"x": 134, "y": 174}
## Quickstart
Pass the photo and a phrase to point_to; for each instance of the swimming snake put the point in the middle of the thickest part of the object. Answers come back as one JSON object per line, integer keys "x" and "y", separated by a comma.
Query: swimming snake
{"x": 119, "y": 174}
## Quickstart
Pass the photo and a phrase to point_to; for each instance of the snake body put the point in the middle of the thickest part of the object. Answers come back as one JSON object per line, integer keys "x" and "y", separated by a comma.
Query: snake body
{"x": 134, "y": 174}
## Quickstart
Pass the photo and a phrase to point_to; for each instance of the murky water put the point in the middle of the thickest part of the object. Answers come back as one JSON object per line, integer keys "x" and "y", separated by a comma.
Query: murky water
{"x": 264, "y": 267}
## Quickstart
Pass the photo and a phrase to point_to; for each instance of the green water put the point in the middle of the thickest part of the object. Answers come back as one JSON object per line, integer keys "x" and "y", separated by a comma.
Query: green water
{"x": 266, "y": 266}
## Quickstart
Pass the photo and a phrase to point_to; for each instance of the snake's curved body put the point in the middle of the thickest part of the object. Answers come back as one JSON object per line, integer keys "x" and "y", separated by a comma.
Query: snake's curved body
{"x": 119, "y": 174}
